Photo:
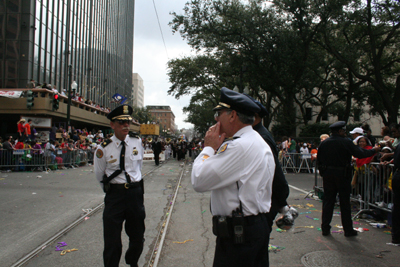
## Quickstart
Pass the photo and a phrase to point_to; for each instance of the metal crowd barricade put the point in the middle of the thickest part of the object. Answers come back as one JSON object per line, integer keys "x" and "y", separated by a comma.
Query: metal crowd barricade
{"x": 296, "y": 162}
{"x": 371, "y": 187}
{"x": 32, "y": 159}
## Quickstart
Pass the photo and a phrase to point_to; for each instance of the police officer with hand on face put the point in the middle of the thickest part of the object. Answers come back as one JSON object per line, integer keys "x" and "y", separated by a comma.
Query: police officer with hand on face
{"x": 238, "y": 171}
{"x": 334, "y": 164}
{"x": 118, "y": 163}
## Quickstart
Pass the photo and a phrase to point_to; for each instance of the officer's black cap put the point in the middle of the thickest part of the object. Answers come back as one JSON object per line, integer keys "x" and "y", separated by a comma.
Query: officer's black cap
{"x": 122, "y": 112}
{"x": 338, "y": 125}
{"x": 263, "y": 111}
{"x": 233, "y": 100}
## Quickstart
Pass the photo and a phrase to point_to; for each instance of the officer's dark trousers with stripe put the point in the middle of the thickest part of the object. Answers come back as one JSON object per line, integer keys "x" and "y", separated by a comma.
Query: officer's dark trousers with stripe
{"x": 332, "y": 186}
{"x": 123, "y": 205}
{"x": 252, "y": 253}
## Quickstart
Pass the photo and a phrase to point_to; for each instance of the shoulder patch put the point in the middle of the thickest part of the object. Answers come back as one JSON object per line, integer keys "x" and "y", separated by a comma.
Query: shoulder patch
{"x": 106, "y": 143}
{"x": 222, "y": 148}
{"x": 99, "y": 153}
{"x": 134, "y": 135}
{"x": 231, "y": 138}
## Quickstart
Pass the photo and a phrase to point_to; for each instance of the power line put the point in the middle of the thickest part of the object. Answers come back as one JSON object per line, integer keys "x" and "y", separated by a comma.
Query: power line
{"x": 159, "y": 25}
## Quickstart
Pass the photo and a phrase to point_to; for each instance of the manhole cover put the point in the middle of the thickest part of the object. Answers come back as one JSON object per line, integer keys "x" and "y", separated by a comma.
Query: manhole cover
{"x": 332, "y": 258}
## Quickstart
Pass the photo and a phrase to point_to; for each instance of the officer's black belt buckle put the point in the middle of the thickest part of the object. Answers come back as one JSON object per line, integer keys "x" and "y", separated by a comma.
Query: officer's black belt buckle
{"x": 131, "y": 185}
{"x": 125, "y": 186}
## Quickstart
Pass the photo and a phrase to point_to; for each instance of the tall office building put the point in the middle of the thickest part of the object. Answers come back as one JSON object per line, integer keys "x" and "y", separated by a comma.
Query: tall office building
{"x": 60, "y": 41}
{"x": 137, "y": 91}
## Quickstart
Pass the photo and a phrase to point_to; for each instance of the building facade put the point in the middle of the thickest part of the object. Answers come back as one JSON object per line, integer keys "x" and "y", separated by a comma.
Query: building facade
{"x": 164, "y": 117}
{"x": 137, "y": 91}
{"x": 60, "y": 41}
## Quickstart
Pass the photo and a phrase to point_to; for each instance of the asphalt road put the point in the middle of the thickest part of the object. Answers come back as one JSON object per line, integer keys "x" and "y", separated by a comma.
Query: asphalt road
{"x": 35, "y": 208}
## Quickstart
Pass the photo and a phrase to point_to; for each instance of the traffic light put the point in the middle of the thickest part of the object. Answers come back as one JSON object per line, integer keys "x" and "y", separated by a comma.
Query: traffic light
{"x": 29, "y": 99}
{"x": 55, "y": 102}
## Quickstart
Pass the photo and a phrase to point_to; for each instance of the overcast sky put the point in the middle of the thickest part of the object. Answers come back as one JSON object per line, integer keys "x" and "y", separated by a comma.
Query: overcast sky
{"x": 150, "y": 56}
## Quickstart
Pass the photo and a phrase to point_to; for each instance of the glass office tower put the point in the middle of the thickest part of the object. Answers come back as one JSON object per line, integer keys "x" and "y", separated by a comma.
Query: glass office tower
{"x": 60, "y": 41}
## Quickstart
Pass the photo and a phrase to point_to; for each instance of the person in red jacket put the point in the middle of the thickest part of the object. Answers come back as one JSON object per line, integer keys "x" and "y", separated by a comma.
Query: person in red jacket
{"x": 21, "y": 130}
{"x": 27, "y": 127}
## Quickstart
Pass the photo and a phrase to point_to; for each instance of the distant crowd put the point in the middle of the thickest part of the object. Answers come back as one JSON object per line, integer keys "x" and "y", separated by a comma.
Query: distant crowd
{"x": 75, "y": 97}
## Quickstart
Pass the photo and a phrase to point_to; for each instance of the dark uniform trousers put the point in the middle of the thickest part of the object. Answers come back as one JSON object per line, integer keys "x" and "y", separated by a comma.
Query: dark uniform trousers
{"x": 332, "y": 186}
{"x": 123, "y": 205}
{"x": 396, "y": 208}
{"x": 252, "y": 253}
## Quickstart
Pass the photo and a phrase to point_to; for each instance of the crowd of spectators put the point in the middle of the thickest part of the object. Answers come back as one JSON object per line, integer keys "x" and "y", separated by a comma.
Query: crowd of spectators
{"x": 74, "y": 96}
{"x": 62, "y": 150}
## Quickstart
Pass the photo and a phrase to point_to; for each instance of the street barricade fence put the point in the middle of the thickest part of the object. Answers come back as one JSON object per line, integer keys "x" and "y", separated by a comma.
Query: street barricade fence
{"x": 39, "y": 159}
{"x": 371, "y": 187}
{"x": 297, "y": 162}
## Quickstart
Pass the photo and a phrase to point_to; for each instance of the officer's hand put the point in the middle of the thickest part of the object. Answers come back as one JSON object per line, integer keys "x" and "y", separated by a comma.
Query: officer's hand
{"x": 213, "y": 137}
{"x": 377, "y": 148}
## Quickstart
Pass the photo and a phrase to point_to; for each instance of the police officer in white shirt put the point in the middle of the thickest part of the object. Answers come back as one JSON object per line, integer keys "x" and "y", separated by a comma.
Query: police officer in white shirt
{"x": 238, "y": 171}
{"x": 118, "y": 163}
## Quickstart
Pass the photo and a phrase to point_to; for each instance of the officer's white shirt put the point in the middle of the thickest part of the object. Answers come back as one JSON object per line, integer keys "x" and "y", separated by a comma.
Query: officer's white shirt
{"x": 248, "y": 160}
{"x": 106, "y": 160}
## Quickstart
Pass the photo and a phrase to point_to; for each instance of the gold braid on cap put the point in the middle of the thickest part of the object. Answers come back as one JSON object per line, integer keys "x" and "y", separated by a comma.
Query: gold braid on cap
{"x": 122, "y": 117}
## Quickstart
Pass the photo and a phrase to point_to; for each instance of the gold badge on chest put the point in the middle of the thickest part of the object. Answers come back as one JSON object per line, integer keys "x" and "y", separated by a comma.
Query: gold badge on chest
{"x": 135, "y": 151}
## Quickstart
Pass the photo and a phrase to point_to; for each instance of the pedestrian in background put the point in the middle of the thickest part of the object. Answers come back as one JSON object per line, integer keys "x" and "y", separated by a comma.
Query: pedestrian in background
{"x": 334, "y": 163}
{"x": 27, "y": 127}
{"x": 395, "y": 189}
{"x": 21, "y": 129}
{"x": 156, "y": 147}
{"x": 239, "y": 173}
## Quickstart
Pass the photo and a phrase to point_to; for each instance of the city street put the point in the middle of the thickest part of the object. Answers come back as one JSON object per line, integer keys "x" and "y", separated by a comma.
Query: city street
{"x": 35, "y": 208}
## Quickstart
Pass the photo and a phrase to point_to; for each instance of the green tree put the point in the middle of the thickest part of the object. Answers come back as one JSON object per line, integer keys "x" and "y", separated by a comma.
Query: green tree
{"x": 257, "y": 48}
{"x": 365, "y": 36}
{"x": 142, "y": 115}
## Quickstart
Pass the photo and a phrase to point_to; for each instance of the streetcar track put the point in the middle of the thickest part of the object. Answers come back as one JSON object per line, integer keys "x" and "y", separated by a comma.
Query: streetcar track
{"x": 65, "y": 230}
{"x": 156, "y": 251}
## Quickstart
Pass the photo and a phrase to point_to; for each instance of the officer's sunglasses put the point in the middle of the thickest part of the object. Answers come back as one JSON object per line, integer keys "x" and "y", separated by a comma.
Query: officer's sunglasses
{"x": 219, "y": 112}
{"x": 122, "y": 122}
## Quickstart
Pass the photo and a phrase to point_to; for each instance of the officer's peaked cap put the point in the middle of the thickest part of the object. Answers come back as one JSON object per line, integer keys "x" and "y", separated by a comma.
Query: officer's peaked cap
{"x": 263, "y": 111}
{"x": 338, "y": 125}
{"x": 122, "y": 112}
{"x": 233, "y": 100}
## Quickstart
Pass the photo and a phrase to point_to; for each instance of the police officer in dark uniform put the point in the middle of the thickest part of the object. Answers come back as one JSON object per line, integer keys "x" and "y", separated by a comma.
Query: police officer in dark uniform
{"x": 280, "y": 188}
{"x": 334, "y": 159}
{"x": 117, "y": 164}
{"x": 157, "y": 148}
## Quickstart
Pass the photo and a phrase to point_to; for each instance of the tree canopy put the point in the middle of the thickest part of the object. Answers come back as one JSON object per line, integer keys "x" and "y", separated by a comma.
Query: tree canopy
{"x": 291, "y": 55}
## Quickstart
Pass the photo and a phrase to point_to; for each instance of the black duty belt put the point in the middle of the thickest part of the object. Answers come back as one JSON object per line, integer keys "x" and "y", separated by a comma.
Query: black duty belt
{"x": 335, "y": 168}
{"x": 252, "y": 219}
{"x": 125, "y": 186}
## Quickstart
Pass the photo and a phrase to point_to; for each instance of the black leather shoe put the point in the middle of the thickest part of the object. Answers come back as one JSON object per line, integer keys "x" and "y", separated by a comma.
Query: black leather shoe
{"x": 351, "y": 233}
{"x": 326, "y": 233}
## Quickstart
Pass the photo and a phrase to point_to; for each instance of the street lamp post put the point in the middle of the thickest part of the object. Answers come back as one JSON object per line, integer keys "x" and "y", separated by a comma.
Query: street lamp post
{"x": 72, "y": 86}
{"x": 69, "y": 98}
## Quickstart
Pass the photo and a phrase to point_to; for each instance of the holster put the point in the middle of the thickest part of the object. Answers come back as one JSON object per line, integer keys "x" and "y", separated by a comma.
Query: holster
{"x": 221, "y": 227}
{"x": 106, "y": 184}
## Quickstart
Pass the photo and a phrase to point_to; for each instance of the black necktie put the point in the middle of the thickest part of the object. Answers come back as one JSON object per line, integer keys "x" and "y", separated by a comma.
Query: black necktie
{"x": 122, "y": 162}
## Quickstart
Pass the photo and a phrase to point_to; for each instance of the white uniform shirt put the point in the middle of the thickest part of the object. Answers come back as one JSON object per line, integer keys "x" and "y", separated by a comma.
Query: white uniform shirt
{"x": 106, "y": 160}
{"x": 248, "y": 160}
